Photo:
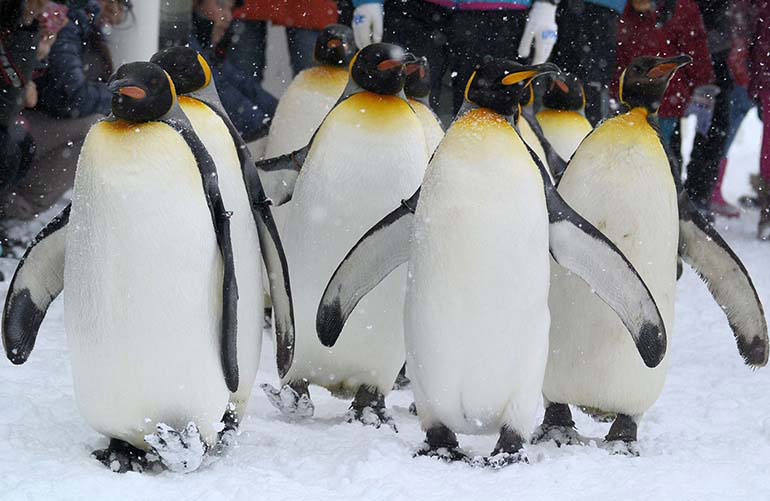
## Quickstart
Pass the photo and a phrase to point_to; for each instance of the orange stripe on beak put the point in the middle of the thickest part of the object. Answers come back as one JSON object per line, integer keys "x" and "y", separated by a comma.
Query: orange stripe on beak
{"x": 133, "y": 92}
{"x": 333, "y": 43}
{"x": 661, "y": 70}
{"x": 389, "y": 64}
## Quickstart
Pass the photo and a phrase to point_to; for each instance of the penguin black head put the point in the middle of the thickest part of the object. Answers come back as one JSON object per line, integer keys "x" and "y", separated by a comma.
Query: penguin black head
{"x": 188, "y": 70}
{"x": 499, "y": 84}
{"x": 335, "y": 45}
{"x": 141, "y": 92}
{"x": 644, "y": 81}
{"x": 417, "y": 79}
{"x": 564, "y": 91}
{"x": 380, "y": 68}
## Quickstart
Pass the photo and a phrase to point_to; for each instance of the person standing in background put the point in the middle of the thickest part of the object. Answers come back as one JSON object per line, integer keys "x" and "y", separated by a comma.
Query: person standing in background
{"x": 455, "y": 35}
{"x": 249, "y": 106}
{"x": 759, "y": 90}
{"x": 586, "y": 48}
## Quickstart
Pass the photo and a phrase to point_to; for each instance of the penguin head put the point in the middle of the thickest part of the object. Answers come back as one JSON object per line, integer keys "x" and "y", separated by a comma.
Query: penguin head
{"x": 188, "y": 70}
{"x": 141, "y": 92}
{"x": 335, "y": 45}
{"x": 644, "y": 81}
{"x": 564, "y": 91}
{"x": 499, "y": 84}
{"x": 380, "y": 68}
{"x": 417, "y": 79}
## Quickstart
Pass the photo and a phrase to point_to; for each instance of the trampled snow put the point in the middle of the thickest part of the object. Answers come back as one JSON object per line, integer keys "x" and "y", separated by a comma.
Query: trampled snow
{"x": 707, "y": 437}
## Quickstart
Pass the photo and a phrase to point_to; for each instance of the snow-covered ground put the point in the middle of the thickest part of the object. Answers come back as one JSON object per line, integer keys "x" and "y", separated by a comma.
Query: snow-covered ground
{"x": 708, "y": 436}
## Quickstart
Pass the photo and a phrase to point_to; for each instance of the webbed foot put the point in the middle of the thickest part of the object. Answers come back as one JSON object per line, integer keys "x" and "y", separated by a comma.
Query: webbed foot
{"x": 558, "y": 427}
{"x": 180, "y": 452}
{"x": 621, "y": 439}
{"x": 441, "y": 443}
{"x": 122, "y": 457}
{"x": 292, "y": 400}
{"x": 368, "y": 407}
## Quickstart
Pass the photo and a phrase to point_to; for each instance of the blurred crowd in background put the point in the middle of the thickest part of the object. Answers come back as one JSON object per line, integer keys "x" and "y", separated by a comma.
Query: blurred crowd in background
{"x": 55, "y": 62}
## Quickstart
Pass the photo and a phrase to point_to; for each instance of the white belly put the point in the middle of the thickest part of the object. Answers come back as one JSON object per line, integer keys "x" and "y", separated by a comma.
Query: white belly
{"x": 366, "y": 158}
{"x": 476, "y": 320}
{"x": 143, "y": 280}
{"x": 243, "y": 233}
{"x": 626, "y": 190}
{"x": 302, "y": 108}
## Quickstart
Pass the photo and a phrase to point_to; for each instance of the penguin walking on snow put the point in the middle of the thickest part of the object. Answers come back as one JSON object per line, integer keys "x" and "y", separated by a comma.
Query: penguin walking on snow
{"x": 368, "y": 154}
{"x": 254, "y": 231}
{"x": 417, "y": 90}
{"x": 312, "y": 93}
{"x": 145, "y": 254}
{"x": 621, "y": 181}
{"x": 562, "y": 117}
{"x": 477, "y": 236}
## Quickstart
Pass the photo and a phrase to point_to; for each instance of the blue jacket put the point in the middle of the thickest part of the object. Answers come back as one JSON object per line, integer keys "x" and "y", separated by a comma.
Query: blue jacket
{"x": 64, "y": 90}
{"x": 616, "y": 5}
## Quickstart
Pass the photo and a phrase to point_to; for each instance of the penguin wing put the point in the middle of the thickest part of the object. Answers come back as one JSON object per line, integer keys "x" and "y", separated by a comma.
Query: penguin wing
{"x": 221, "y": 219}
{"x": 38, "y": 280}
{"x": 714, "y": 261}
{"x": 556, "y": 164}
{"x": 280, "y": 174}
{"x": 578, "y": 246}
{"x": 271, "y": 249}
{"x": 380, "y": 251}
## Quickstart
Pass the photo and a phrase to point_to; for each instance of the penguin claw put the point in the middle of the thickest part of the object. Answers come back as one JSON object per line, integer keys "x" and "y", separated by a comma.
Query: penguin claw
{"x": 561, "y": 435}
{"x": 372, "y": 416}
{"x": 620, "y": 448}
{"x": 289, "y": 402}
{"x": 446, "y": 454}
{"x": 180, "y": 452}
{"x": 502, "y": 459}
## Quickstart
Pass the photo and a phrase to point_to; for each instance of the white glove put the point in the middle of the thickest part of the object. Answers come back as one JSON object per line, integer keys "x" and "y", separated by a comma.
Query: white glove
{"x": 367, "y": 24}
{"x": 541, "y": 26}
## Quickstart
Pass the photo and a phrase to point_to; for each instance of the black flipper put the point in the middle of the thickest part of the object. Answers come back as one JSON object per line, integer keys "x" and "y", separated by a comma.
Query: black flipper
{"x": 578, "y": 246}
{"x": 221, "y": 219}
{"x": 272, "y": 251}
{"x": 38, "y": 280}
{"x": 714, "y": 261}
{"x": 380, "y": 251}
{"x": 280, "y": 174}
{"x": 556, "y": 164}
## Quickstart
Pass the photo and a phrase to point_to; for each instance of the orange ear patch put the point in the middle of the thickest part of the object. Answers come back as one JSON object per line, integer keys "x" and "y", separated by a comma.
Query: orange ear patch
{"x": 389, "y": 64}
{"x": 661, "y": 70}
{"x": 133, "y": 92}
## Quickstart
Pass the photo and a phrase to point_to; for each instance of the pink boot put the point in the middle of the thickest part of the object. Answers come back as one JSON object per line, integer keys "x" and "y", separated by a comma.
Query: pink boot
{"x": 718, "y": 204}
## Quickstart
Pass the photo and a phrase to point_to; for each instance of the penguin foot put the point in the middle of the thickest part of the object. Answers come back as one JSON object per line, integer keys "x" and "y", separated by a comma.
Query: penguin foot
{"x": 401, "y": 380}
{"x": 180, "y": 452}
{"x": 621, "y": 439}
{"x": 290, "y": 402}
{"x": 501, "y": 460}
{"x": 413, "y": 409}
{"x": 620, "y": 448}
{"x": 446, "y": 454}
{"x": 561, "y": 435}
{"x": 372, "y": 416}
{"x": 122, "y": 457}
{"x": 368, "y": 407}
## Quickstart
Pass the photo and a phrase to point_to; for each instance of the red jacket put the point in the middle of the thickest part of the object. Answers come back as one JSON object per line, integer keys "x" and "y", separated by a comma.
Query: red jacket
{"x": 305, "y": 14}
{"x": 684, "y": 33}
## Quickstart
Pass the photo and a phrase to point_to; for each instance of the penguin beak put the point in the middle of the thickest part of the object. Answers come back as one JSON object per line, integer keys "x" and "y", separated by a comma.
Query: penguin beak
{"x": 418, "y": 65}
{"x": 529, "y": 73}
{"x": 124, "y": 87}
{"x": 667, "y": 66}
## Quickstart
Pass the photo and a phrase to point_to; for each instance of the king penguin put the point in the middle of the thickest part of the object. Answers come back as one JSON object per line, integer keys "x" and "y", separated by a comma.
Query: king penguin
{"x": 368, "y": 154}
{"x": 312, "y": 93}
{"x": 562, "y": 117}
{"x": 417, "y": 90}
{"x": 621, "y": 181}
{"x": 253, "y": 228}
{"x": 477, "y": 236}
{"x": 145, "y": 254}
